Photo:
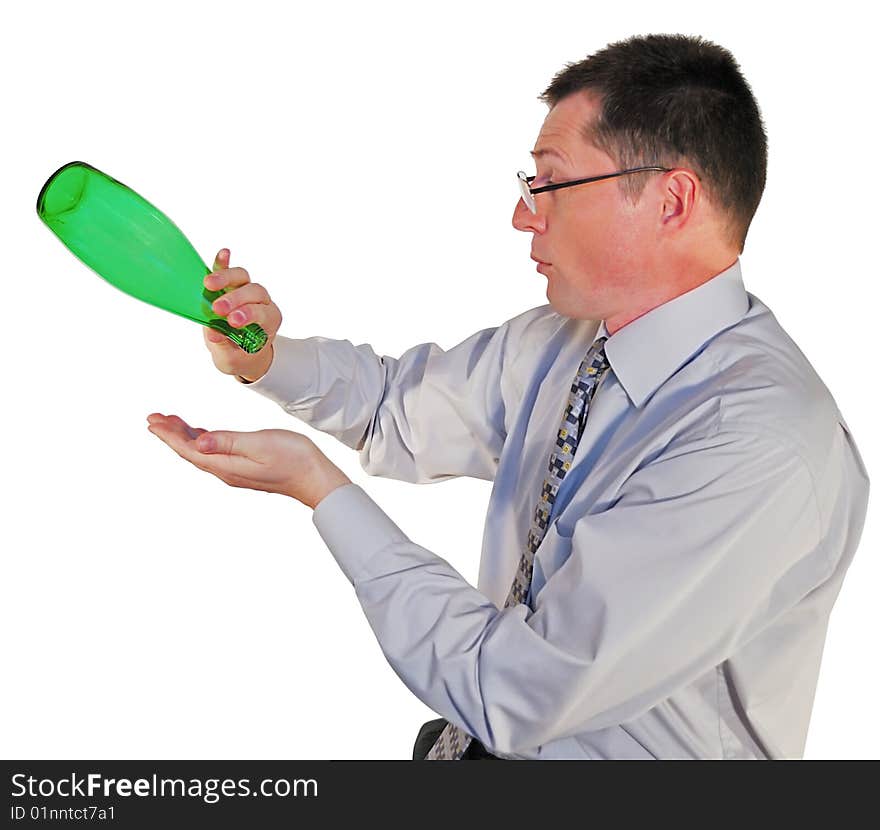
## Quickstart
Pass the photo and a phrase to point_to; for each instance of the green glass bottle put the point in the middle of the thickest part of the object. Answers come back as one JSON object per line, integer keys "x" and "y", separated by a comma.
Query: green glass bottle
{"x": 134, "y": 246}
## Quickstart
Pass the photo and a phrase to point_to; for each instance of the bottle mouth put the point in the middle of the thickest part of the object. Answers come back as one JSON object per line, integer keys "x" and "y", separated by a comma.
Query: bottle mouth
{"x": 63, "y": 190}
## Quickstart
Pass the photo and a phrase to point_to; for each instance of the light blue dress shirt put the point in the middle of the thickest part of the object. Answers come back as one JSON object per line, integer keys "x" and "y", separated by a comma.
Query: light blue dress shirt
{"x": 682, "y": 591}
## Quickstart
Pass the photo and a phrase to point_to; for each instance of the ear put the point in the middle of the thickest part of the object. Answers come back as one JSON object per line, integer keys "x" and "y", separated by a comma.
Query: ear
{"x": 683, "y": 189}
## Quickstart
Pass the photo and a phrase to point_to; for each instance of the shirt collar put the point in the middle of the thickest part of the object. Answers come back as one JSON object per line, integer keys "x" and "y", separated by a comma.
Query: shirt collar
{"x": 647, "y": 351}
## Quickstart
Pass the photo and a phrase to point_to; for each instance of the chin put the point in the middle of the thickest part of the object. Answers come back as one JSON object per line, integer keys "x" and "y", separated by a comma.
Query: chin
{"x": 573, "y": 309}
{"x": 558, "y": 307}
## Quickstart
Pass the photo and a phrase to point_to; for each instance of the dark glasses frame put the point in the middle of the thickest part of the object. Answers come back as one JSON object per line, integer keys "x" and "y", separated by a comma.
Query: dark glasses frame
{"x": 525, "y": 182}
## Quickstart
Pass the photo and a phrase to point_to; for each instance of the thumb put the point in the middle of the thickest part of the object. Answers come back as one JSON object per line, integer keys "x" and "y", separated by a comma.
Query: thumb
{"x": 219, "y": 441}
{"x": 222, "y": 259}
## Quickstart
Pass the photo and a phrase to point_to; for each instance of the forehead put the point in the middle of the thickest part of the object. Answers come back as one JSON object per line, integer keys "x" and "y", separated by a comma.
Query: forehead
{"x": 563, "y": 129}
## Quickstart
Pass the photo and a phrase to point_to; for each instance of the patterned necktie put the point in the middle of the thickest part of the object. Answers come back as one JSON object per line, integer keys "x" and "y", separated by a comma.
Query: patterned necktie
{"x": 452, "y": 742}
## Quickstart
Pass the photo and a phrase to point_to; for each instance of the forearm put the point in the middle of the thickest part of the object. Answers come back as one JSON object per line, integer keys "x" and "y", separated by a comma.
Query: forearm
{"x": 331, "y": 385}
{"x": 431, "y": 624}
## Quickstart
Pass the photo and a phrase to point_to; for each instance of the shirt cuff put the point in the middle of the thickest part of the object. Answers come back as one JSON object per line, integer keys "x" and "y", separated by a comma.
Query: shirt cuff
{"x": 291, "y": 374}
{"x": 355, "y": 528}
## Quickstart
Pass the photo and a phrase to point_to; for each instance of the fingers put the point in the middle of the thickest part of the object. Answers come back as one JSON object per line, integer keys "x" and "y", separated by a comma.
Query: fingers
{"x": 244, "y": 302}
{"x": 185, "y": 447}
{"x": 232, "y": 468}
{"x": 223, "y": 276}
{"x": 226, "y": 278}
{"x": 216, "y": 337}
{"x": 176, "y": 424}
{"x": 250, "y": 303}
{"x": 233, "y": 299}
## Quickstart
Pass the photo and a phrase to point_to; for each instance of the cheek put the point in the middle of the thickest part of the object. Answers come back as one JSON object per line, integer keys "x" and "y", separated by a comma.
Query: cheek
{"x": 629, "y": 242}
{"x": 583, "y": 238}
{"x": 608, "y": 233}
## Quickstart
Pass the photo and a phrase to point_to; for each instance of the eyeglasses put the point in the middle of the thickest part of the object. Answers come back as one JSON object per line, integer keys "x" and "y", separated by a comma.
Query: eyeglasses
{"x": 528, "y": 193}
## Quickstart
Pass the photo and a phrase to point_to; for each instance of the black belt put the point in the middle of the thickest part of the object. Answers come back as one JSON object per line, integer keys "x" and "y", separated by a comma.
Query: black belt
{"x": 429, "y": 733}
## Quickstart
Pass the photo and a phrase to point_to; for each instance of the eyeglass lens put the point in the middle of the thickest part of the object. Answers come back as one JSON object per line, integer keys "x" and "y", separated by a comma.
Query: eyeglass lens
{"x": 527, "y": 196}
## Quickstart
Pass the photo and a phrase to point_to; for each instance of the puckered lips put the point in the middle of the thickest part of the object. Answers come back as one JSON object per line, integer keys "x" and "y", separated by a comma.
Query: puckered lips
{"x": 542, "y": 263}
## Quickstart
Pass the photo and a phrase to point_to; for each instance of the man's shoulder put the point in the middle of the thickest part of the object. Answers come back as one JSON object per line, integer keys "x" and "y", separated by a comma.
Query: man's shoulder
{"x": 765, "y": 383}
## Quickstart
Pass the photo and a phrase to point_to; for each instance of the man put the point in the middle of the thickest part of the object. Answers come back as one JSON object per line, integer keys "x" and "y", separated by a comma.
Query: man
{"x": 676, "y": 496}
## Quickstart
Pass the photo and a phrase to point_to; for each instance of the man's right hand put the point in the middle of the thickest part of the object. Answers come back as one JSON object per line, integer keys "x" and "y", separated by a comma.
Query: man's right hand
{"x": 251, "y": 300}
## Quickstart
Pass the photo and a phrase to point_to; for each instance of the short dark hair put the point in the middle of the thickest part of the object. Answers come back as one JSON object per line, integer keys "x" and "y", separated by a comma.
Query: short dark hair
{"x": 675, "y": 100}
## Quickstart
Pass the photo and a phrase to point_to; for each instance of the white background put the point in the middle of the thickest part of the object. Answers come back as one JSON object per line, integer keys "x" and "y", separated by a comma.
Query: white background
{"x": 358, "y": 160}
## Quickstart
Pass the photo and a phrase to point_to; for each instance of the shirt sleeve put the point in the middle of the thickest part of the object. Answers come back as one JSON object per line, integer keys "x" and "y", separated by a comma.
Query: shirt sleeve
{"x": 425, "y": 416}
{"x": 704, "y": 547}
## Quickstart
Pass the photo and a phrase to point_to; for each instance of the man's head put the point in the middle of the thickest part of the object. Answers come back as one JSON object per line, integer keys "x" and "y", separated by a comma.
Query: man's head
{"x": 619, "y": 247}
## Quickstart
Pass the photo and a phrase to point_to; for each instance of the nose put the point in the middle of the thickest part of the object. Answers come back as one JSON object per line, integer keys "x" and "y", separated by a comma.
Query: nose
{"x": 525, "y": 220}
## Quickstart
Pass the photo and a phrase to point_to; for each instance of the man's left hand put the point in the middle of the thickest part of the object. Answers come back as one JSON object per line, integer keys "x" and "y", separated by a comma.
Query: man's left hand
{"x": 272, "y": 460}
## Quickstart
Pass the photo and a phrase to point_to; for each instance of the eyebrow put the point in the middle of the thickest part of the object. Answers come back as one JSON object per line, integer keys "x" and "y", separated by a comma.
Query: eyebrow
{"x": 547, "y": 151}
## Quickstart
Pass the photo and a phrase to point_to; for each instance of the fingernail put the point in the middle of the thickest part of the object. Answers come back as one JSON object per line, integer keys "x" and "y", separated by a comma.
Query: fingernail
{"x": 236, "y": 317}
{"x": 206, "y": 443}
